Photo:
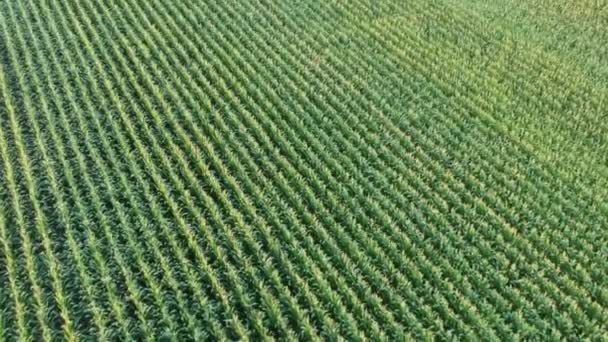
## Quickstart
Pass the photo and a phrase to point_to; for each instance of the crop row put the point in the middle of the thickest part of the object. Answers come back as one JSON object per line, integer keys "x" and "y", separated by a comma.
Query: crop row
{"x": 261, "y": 170}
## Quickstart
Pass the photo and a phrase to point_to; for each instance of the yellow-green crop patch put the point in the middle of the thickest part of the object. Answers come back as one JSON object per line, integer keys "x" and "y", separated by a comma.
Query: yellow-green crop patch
{"x": 303, "y": 170}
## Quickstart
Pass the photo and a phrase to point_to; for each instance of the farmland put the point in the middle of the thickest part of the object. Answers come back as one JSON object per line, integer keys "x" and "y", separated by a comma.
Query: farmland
{"x": 303, "y": 170}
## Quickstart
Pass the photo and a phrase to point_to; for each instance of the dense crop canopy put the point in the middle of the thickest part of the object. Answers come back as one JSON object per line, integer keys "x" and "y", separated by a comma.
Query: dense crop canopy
{"x": 259, "y": 170}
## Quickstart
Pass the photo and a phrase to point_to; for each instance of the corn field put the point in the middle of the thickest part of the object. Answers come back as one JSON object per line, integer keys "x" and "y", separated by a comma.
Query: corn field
{"x": 263, "y": 170}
